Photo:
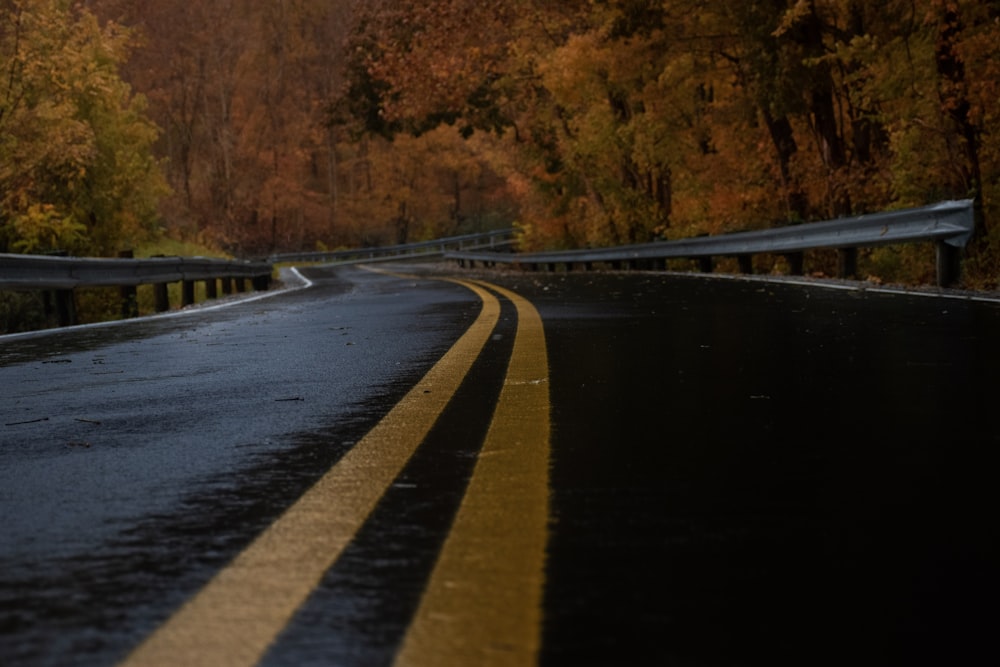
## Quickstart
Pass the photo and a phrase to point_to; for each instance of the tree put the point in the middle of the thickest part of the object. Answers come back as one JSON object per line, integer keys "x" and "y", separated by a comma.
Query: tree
{"x": 252, "y": 97}
{"x": 76, "y": 166}
{"x": 301, "y": 122}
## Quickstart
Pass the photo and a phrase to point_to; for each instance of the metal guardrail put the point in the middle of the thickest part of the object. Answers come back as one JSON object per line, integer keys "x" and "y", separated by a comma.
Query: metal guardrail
{"x": 41, "y": 272}
{"x": 435, "y": 248}
{"x": 61, "y": 275}
{"x": 949, "y": 224}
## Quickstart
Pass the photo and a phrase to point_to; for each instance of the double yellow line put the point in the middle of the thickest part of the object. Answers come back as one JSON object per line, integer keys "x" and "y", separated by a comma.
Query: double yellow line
{"x": 483, "y": 602}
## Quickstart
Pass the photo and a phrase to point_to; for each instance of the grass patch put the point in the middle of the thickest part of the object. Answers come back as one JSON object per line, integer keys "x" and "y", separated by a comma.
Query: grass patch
{"x": 169, "y": 247}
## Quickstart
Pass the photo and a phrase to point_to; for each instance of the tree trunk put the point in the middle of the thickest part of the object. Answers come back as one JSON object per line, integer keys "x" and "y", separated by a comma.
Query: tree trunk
{"x": 783, "y": 139}
{"x": 823, "y": 113}
{"x": 955, "y": 103}
{"x": 331, "y": 168}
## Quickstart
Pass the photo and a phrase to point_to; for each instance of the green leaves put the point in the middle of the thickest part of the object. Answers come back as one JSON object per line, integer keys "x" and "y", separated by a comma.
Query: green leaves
{"x": 41, "y": 227}
{"x": 76, "y": 166}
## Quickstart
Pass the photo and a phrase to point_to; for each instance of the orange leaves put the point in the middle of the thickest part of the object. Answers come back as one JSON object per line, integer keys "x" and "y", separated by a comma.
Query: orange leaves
{"x": 617, "y": 120}
{"x": 435, "y": 55}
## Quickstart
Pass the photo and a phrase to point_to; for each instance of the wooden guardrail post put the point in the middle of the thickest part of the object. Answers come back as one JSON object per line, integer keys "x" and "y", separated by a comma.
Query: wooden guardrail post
{"x": 187, "y": 292}
{"x": 847, "y": 262}
{"x": 949, "y": 263}
{"x": 65, "y": 307}
{"x": 129, "y": 293}
{"x": 130, "y": 301}
{"x": 796, "y": 263}
{"x": 161, "y": 296}
{"x": 212, "y": 288}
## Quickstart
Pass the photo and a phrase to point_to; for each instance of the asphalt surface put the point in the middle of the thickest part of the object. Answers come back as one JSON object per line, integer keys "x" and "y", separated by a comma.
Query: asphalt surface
{"x": 164, "y": 447}
{"x": 752, "y": 473}
{"x": 742, "y": 472}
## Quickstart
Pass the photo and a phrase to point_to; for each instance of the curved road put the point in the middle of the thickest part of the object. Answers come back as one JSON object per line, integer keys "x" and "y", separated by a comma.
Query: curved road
{"x": 585, "y": 469}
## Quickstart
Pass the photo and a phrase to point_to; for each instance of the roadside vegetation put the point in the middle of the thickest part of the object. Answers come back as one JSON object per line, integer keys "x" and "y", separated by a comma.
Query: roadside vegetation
{"x": 250, "y": 128}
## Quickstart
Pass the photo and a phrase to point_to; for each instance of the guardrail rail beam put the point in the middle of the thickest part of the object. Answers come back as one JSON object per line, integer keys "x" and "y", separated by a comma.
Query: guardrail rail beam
{"x": 948, "y": 224}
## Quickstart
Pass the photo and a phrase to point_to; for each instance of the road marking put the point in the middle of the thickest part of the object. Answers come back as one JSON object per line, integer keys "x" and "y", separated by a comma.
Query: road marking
{"x": 236, "y": 616}
{"x": 483, "y": 604}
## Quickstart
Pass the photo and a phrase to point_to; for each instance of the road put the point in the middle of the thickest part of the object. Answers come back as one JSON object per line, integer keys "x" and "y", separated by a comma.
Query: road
{"x": 496, "y": 468}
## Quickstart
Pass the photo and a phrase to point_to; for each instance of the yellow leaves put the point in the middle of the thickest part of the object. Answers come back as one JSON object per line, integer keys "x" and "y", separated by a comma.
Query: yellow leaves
{"x": 42, "y": 228}
{"x": 70, "y": 145}
{"x": 572, "y": 71}
{"x": 792, "y": 16}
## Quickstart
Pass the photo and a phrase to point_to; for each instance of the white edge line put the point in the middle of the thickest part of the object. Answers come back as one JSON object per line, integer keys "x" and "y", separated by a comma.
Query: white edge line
{"x": 846, "y": 287}
{"x": 203, "y": 307}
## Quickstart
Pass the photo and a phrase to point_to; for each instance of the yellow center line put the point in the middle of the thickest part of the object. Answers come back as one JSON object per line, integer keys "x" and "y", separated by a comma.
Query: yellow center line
{"x": 483, "y": 605}
{"x": 237, "y": 615}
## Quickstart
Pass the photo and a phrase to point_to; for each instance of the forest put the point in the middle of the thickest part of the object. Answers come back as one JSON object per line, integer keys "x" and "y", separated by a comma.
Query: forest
{"x": 255, "y": 127}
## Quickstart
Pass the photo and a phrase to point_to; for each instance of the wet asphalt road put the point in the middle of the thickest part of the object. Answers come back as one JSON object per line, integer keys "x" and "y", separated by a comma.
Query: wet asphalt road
{"x": 742, "y": 473}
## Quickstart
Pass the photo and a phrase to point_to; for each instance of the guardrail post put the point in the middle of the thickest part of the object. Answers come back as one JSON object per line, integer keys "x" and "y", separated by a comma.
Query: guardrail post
{"x": 187, "y": 292}
{"x": 212, "y": 288}
{"x": 262, "y": 283}
{"x": 949, "y": 264}
{"x": 162, "y": 297}
{"x": 65, "y": 307}
{"x": 241, "y": 285}
{"x": 227, "y": 286}
{"x": 129, "y": 295}
{"x": 746, "y": 263}
{"x": 130, "y": 301}
{"x": 847, "y": 262}
{"x": 705, "y": 264}
{"x": 796, "y": 263}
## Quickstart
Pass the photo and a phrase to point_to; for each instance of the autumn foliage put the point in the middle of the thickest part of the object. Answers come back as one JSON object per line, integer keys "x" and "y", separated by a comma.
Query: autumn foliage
{"x": 77, "y": 172}
{"x": 300, "y": 124}
{"x": 628, "y": 120}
